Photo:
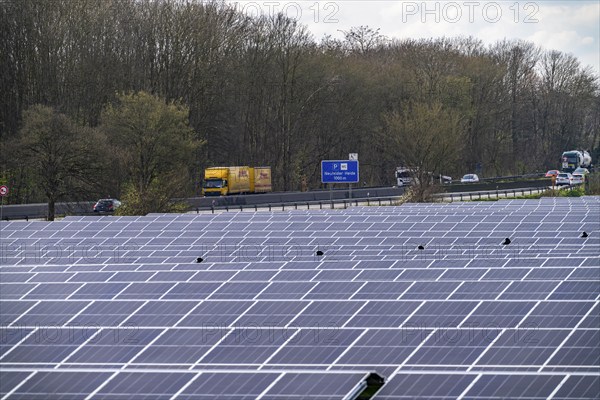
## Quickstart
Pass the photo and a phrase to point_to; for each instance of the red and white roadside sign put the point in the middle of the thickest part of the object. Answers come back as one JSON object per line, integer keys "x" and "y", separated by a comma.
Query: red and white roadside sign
{"x": 3, "y": 190}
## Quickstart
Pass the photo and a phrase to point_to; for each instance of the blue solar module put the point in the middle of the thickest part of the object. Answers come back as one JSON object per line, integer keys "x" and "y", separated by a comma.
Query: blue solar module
{"x": 46, "y": 345}
{"x": 318, "y": 346}
{"x": 424, "y": 386}
{"x": 384, "y": 346}
{"x": 527, "y": 346}
{"x": 318, "y": 386}
{"x": 479, "y": 290}
{"x": 501, "y": 314}
{"x": 115, "y": 346}
{"x": 50, "y": 313}
{"x": 59, "y": 385}
{"x": 447, "y": 314}
{"x": 287, "y": 290}
{"x": 327, "y": 313}
{"x": 248, "y": 345}
{"x": 578, "y": 387}
{"x": 147, "y": 385}
{"x": 580, "y": 349}
{"x": 180, "y": 346}
{"x": 556, "y": 314}
{"x": 239, "y": 386}
{"x": 513, "y": 386}
{"x": 431, "y": 290}
{"x": 215, "y": 313}
{"x": 453, "y": 347}
{"x": 381, "y": 290}
{"x": 383, "y": 314}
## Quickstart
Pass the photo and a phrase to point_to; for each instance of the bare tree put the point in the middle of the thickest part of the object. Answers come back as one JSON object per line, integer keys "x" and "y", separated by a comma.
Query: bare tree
{"x": 428, "y": 140}
{"x": 62, "y": 157}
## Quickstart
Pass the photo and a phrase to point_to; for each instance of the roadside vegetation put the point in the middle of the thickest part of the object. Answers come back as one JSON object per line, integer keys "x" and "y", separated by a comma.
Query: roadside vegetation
{"x": 86, "y": 77}
{"x": 142, "y": 145}
{"x": 577, "y": 191}
{"x": 592, "y": 185}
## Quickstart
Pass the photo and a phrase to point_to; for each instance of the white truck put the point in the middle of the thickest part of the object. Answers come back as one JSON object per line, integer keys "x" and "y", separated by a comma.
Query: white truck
{"x": 406, "y": 176}
{"x": 573, "y": 159}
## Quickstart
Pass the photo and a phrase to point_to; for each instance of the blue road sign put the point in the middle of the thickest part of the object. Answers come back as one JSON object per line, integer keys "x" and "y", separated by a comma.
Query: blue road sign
{"x": 339, "y": 171}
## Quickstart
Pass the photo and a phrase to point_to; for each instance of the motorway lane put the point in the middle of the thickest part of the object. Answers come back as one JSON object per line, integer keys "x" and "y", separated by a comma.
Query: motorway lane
{"x": 39, "y": 210}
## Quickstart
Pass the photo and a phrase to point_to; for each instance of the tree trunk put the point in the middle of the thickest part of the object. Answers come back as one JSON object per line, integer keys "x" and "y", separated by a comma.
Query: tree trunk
{"x": 51, "y": 209}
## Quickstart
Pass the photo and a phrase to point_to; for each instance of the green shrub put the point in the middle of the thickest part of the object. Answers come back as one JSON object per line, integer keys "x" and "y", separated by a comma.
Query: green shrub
{"x": 153, "y": 200}
{"x": 573, "y": 192}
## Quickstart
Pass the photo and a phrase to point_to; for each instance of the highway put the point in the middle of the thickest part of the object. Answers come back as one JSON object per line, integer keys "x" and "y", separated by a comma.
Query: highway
{"x": 40, "y": 210}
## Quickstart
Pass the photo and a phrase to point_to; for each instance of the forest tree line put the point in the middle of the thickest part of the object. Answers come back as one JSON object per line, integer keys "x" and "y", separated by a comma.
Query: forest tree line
{"x": 263, "y": 91}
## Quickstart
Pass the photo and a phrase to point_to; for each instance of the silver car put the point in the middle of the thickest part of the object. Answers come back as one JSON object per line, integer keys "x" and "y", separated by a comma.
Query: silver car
{"x": 578, "y": 179}
{"x": 564, "y": 178}
{"x": 469, "y": 178}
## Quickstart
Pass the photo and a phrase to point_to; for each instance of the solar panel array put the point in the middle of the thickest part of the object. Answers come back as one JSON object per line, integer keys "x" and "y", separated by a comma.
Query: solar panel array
{"x": 240, "y": 306}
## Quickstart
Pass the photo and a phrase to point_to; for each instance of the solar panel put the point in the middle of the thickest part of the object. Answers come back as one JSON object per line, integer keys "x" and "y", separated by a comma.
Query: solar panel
{"x": 122, "y": 307}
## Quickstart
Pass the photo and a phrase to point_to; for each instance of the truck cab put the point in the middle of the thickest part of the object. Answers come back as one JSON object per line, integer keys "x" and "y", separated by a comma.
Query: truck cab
{"x": 215, "y": 182}
{"x": 404, "y": 176}
{"x": 214, "y": 187}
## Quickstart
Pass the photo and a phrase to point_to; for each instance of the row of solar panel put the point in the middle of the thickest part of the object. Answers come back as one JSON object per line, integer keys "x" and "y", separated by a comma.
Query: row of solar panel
{"x": 473, "y": 349}
{"x": 275, "y": 385}
{"x": 390, "y": 224}
{"x": 304, "y": 313}
{"x": 398, "y": 256}
{"x": 309, "y": 290}
{"x": 51, "y": 385}
{"x": 483, "y": 387}
{"x": 302, "y": 219}
{"x": 79, "y": 261}
{"x": 191, "y": 273}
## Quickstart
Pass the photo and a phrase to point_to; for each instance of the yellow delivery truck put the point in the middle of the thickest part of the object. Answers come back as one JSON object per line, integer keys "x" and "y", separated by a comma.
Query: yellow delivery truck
{"x": 223, "y": 181}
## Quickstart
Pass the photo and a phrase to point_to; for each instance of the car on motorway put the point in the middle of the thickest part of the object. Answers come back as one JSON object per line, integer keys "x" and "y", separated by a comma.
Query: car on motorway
{"x": 581, "y": 170}
{"x": 578, "y": 179}
{"x": 469, "y": 178}
{"x": 552, "y": 172}
{"x": 445, "y": 179}
{"x": 106, "y": 205}
{"x": 564, "y": 178}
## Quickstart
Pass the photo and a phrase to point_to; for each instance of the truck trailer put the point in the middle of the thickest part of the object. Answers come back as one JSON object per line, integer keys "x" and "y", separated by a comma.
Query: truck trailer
{"x": 223, "y": 181}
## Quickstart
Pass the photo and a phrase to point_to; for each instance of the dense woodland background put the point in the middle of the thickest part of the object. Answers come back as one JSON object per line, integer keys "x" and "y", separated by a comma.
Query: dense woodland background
{"x": 264, "y": 91}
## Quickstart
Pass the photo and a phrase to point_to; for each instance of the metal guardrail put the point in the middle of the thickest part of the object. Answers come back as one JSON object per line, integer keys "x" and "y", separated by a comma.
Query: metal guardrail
{"x": 22, "y": 217}
{"x": 309, "y": 205}
{"x": 514, "y": 177}
{"x": 480, "y": 195}
{"x": 373, "y": 201}
{"x": 44, "y": 216}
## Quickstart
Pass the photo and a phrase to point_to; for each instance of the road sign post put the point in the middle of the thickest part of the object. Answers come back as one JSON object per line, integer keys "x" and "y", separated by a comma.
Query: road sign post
{"x": 354, "y": 157}
{"x": 3, "y": 192}
{"x": 339, "y": 171}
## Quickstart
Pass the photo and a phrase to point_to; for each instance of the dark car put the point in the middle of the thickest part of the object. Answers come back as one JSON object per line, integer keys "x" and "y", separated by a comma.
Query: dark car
{"x": 106, "y": 205}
